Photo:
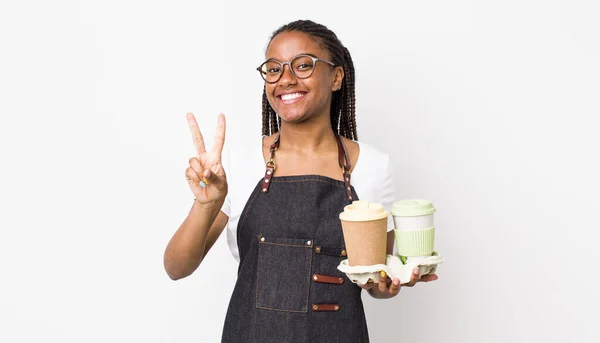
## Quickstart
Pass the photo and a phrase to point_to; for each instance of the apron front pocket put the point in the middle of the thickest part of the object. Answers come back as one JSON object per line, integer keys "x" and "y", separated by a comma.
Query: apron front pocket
{"x": 283, "y": 273}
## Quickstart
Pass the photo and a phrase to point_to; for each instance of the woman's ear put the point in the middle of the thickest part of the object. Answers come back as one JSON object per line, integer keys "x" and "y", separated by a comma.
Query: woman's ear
{"x": 338, "y": 77}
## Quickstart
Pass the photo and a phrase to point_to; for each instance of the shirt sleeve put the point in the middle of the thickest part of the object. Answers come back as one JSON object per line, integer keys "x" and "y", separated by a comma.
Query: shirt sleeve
{"x": 226, "y": 208}
{"x": 388, "y": 192}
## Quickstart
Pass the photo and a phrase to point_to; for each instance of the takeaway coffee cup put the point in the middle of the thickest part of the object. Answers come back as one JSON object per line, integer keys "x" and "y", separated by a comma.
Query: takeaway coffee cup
{"x": 364, "y": 226}
{"x": 414, "y": 232}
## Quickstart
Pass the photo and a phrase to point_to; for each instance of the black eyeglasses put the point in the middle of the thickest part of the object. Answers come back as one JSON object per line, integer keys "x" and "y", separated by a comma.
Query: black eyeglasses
{"x": 301, "y": 66}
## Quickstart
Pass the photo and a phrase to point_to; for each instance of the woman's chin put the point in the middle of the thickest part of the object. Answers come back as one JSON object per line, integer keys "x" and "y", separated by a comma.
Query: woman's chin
{"x": 292, "y": 117}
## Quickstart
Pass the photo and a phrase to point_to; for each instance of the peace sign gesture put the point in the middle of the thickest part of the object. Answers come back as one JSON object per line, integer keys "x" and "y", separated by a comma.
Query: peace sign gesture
{"x": 205, "y": 174}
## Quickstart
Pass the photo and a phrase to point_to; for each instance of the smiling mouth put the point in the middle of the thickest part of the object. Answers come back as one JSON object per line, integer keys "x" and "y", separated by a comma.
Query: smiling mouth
{"x": 291, "y": 96}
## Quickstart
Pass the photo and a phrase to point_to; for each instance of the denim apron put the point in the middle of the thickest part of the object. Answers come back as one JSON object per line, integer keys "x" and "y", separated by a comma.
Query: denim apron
{"x": 290, "y": 243}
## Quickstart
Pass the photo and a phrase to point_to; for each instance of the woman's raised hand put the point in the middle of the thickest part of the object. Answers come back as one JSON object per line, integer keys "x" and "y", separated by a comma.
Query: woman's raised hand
{"x": 205, "y": 174}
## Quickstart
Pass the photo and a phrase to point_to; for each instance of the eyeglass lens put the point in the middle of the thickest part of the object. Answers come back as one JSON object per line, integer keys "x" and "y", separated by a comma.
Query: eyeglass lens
{"x": 301, "y": 66}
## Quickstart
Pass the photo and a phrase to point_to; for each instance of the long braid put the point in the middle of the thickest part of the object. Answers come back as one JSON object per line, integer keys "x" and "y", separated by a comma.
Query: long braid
{"x": 343, "y": 102}
{"x": 270, "y": 122}
{"x": 265, "y": 119}
{"x": 348, "y": 105}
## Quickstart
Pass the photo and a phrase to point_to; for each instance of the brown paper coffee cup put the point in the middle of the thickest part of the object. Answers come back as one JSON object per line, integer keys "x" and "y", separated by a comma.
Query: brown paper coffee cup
{"x": 364, "y": 226}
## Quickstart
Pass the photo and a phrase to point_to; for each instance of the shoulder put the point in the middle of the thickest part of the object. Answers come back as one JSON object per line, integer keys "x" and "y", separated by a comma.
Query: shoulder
{"x": 373, "y": 171}
{"x": 371, "y": 156}
{"x": 373, "y": 177}
{"x": 362, "y": 153}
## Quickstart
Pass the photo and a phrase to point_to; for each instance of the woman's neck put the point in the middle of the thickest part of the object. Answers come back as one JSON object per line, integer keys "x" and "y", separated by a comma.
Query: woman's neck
{"x": 299, "y": 138}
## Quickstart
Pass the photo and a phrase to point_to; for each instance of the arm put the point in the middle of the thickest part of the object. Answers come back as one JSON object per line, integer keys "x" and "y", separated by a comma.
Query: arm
{"x": 205, "y": 221}
{"x": 192, "y": 241}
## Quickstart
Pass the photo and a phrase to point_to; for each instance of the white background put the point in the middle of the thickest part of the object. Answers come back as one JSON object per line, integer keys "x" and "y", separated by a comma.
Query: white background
{"x": 488, "y": 108}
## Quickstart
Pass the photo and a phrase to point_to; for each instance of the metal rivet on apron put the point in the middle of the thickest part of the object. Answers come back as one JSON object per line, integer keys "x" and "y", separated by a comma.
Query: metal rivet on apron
{"x": 341, "y": 280}
{"x": 318, "y": 250}
{"x": 344, "y": 253}
{"x": 315, "y": 277}
{"x": 266, "y": 180}
{"x": 268, "y": 172}
{"x": 350, "y": 198}
{"x": 264, "y": 189}
{"x": 348, "y": 188}
{"x": 347, "y": 179}
{"x": 309, "y": 243}
{"x": 336, "y": 307}
{"x": 315, "y": 307}
{"x": 262, "y": 239}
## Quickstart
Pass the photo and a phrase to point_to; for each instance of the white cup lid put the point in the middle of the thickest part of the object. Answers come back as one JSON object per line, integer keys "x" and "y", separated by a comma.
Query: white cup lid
{"x": 361, "y": 210}
{"x": 412, "y": 208}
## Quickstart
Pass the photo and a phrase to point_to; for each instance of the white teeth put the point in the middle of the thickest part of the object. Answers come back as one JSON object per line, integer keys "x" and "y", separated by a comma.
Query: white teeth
{"x": 291, "y": 96}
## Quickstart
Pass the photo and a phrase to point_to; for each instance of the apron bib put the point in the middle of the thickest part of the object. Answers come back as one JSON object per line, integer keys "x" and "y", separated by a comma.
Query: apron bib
{"x": 290, "y": 242}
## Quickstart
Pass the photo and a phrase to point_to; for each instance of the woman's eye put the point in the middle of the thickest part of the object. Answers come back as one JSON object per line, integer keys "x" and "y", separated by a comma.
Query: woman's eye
{"x": 273, "y": 70}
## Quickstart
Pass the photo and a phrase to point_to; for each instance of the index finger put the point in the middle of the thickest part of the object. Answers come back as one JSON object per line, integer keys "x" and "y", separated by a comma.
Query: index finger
{"x": 219, "y": 140}
{"x": 414, "y": 278}
{"x": 196, "y": 135}
{"x": 428, "y": 277}
{"x": 395, "y": 287}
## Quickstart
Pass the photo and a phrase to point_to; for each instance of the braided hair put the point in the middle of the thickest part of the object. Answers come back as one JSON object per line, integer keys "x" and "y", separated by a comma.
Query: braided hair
{"x": 343, "y": 108}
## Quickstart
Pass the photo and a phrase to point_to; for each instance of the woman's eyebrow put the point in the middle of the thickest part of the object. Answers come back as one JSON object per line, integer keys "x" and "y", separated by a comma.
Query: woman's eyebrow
{"x": 302, "y": 53}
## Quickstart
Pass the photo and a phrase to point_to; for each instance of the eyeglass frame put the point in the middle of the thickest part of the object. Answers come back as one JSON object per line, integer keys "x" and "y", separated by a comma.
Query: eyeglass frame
{"x": 283, "y": 64}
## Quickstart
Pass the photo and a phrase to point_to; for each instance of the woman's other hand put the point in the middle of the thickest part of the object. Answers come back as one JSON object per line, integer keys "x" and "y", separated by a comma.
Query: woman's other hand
{"x": 388, "y": 288}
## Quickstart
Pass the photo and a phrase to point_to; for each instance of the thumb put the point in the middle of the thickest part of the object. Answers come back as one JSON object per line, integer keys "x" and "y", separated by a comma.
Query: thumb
{"x": 211, "y": 178}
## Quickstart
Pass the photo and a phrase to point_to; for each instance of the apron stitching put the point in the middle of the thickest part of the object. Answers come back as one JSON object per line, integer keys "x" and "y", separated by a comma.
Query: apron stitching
{"x": 309, "y": 279}
{"x": 288, "y": 245}
{"x": 279, "y": 310}
{"x": 306, "y": 180}
{"x": 257, "y": 273}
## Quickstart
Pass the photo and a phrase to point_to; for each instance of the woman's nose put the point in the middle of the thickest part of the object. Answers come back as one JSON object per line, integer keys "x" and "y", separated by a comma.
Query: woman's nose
{"x": 287, "y": 77}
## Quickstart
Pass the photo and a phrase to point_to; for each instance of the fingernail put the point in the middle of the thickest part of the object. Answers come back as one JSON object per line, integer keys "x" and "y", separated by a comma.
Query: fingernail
{"x": 396, "y": 282}
{"x": 202, "y": 184}
{"x": 416, "y": 271}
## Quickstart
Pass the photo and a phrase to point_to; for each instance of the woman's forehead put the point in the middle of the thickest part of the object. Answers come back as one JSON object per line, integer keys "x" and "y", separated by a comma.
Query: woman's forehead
{"x": 286, "y": 45}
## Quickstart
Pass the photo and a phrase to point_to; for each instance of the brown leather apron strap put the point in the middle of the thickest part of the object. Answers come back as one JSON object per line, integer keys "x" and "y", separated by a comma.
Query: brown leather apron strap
{"x": 345, "y": 164}
{"x": 344, "y": 161}
{"x": 336, "y": 280}
{"x": 271, "y": 165}
{"x": 326, "y": 307}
